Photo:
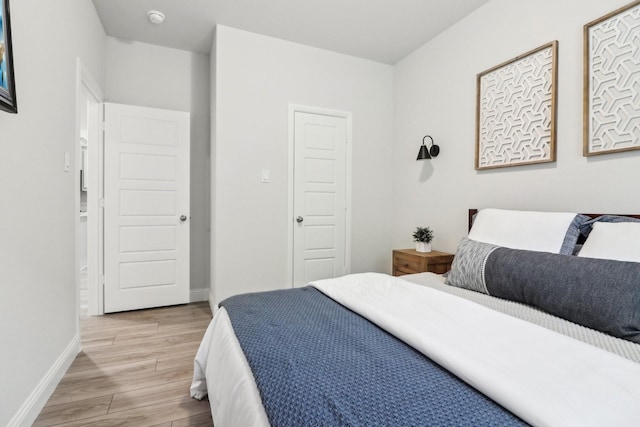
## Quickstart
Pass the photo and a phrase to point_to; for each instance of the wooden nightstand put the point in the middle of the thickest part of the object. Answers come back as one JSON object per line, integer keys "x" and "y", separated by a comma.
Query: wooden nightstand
{"x": 409, "y": 261}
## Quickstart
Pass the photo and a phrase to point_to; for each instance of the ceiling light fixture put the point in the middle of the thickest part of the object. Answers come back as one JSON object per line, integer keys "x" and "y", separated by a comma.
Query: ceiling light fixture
{"x": 156, "y": 17}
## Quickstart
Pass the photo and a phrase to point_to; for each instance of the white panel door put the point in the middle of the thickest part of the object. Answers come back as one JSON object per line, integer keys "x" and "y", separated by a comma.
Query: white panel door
{"x": 146, "y": 212}
{"x": 319, "y": 197}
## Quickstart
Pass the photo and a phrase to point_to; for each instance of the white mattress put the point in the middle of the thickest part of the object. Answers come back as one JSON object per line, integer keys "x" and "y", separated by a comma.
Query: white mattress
{"x": 222, "y": 370}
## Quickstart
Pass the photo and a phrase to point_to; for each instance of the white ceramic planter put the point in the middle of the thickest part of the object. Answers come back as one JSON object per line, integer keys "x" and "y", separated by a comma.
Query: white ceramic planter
{"x": 423, "y": 247}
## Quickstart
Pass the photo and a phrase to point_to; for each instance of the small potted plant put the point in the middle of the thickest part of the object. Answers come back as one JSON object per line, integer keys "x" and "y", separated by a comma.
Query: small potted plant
{"x": 423, "y": 237}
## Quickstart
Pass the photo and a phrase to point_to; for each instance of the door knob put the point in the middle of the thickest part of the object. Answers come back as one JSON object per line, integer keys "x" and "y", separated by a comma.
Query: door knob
{"x": 183, "y": 218}
{"x": 299, "y": 219}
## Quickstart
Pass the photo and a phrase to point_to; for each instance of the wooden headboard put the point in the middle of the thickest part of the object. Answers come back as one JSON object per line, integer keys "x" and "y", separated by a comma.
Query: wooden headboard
{"x": 472, "y": 212}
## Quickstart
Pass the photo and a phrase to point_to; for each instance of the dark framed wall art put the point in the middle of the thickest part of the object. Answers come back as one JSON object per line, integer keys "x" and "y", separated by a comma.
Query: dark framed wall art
{"x": 612, "y": 82}
{"x": 7, "y": 80}
{"x": 516, "y": 110}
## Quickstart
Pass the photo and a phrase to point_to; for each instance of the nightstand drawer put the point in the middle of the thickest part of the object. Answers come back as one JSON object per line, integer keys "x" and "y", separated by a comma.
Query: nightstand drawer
{"x": 409, "y": 261}
{"x": 406, "y": 263}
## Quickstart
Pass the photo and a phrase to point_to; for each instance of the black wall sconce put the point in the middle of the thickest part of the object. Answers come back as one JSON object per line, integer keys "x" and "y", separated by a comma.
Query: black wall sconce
{"x": 427, "y": 153}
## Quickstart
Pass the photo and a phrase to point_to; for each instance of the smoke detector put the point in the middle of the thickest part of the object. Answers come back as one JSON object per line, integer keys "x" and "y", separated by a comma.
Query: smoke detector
{"x": 156, "y": 17}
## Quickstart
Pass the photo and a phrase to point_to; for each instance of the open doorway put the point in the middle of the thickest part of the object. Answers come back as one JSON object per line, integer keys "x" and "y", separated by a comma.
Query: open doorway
{"x": 89, "y": 192}
{"x": 83, "y": 166}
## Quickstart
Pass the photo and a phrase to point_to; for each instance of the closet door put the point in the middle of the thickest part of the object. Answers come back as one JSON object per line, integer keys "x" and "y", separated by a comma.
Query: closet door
{"x": 319, "y": 197}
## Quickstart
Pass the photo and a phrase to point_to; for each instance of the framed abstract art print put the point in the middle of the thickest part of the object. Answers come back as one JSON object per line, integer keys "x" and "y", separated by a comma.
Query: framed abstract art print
{"x": 612, "y": 82}
{"x": 7, "y": 81}
{"x": 516, "y": 110}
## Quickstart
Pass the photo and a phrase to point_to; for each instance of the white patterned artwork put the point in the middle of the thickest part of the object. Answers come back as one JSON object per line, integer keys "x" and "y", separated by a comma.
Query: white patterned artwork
{"x": 612, "y": 82}
{"x": 516, "y": 110}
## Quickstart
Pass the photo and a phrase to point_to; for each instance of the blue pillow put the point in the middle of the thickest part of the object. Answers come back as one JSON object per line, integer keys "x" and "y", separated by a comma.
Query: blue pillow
{"x": 569, "y": 245}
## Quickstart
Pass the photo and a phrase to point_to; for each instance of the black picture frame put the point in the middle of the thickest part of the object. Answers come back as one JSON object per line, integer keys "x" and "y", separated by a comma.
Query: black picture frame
{"x": 8, "y": 100}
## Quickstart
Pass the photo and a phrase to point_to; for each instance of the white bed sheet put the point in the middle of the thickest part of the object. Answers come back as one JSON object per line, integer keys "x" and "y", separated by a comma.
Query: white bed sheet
{"x": 221, "y": 370}
{"x": 235, "y": 400}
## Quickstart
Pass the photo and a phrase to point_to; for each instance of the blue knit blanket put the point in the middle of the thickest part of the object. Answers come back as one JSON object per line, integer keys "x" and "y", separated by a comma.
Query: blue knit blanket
{"x": 317, "y": 363}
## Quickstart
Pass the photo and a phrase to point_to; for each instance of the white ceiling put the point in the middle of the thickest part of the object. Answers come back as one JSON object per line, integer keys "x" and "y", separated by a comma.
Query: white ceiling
{"x": 381, "y": 30}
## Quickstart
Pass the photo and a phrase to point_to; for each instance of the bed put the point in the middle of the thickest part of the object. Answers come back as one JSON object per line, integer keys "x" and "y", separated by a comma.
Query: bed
{"x": 535, "y": 324}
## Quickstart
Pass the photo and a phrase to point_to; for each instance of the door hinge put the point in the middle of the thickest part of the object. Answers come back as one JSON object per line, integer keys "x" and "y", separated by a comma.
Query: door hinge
{"x": 101, "y": 203}
{"x": 102, "y": 126}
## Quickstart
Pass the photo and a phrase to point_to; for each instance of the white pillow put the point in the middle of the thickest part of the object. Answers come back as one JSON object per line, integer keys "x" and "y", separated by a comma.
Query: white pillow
{"x": 528, "y": 230}
{"x": 613, "y": 240}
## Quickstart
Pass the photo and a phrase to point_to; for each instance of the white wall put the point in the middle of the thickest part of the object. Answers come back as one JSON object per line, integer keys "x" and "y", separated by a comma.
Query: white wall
{"x": 256, "y": 78}
{"x": 38, "y": 215}
{"x": 435, "y": 93}
{"x": 159, "y": 77}
{"x": 212, "y": 170}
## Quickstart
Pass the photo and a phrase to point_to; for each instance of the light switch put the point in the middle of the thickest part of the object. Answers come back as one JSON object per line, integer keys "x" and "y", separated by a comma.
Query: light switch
{"x": 67, "y": 161}
{"x": 265, "y": 176}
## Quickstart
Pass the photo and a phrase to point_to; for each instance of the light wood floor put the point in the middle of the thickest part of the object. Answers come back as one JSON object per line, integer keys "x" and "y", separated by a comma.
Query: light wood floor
{"x": 134, "y": 370}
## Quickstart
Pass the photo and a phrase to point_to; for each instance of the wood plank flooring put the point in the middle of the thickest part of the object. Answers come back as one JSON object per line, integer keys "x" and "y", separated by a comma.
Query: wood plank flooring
{"x": 135, "y": 369}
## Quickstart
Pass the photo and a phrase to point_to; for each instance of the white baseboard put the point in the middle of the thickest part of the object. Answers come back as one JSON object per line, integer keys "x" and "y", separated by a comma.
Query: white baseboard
{"x": 201, "y": 294}
{"x": 31, "y": 408}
